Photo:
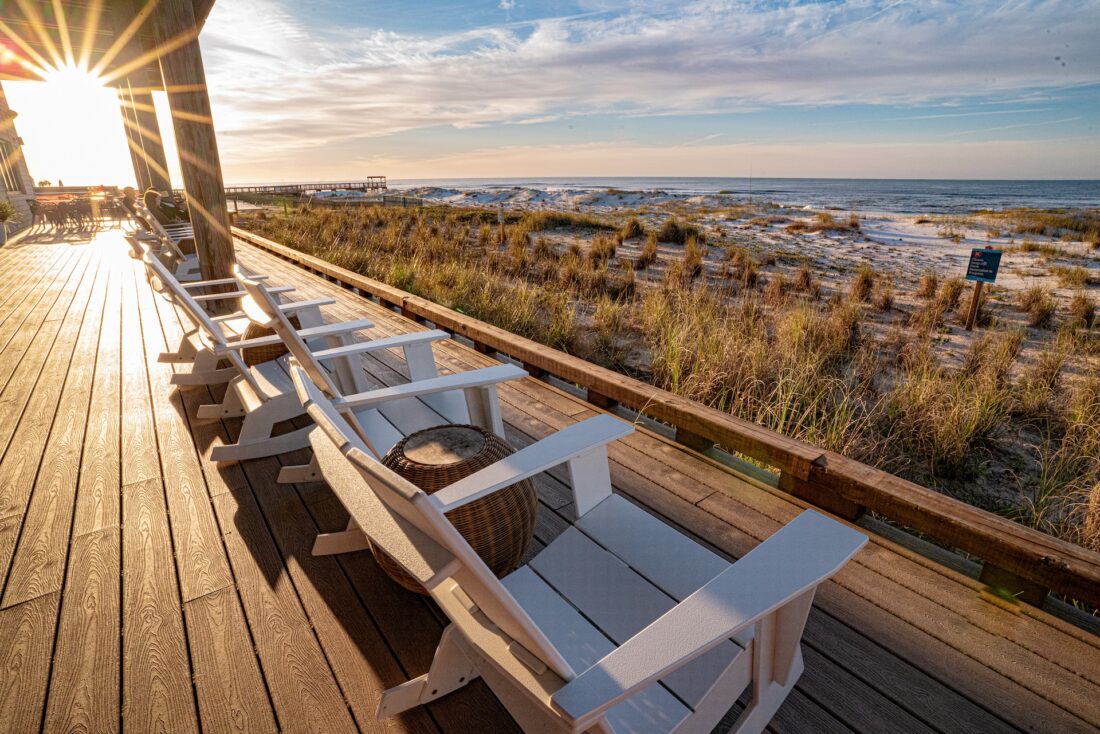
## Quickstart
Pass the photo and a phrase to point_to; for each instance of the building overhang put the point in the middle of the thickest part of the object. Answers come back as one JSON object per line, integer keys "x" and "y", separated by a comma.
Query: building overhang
{"x": 113, "y": 37}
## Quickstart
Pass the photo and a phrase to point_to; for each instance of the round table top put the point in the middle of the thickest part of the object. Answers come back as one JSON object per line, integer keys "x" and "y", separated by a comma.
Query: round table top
{"x": 444, "y": 445}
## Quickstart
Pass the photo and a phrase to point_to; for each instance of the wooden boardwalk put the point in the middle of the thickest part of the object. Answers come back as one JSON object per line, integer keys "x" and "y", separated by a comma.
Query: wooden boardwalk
{"x": 144, "y": 588}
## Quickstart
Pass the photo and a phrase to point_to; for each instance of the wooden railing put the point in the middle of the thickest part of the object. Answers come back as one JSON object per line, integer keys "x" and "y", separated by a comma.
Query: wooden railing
{"x": 1024, "y": 561}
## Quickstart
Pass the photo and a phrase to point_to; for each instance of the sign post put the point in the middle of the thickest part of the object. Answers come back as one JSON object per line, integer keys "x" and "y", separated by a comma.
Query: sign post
{"x": 981, "y": 269}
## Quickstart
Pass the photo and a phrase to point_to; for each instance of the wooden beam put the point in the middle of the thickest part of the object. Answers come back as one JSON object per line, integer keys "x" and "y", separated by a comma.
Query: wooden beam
{"x": 133, "y": 140}
{"x": 185, "y": 82}
{"x": 148, "y": 128}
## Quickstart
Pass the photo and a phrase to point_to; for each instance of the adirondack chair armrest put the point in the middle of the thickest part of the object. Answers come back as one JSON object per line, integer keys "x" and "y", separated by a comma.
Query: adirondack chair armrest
{"x": 337, "y": 329}
{"x": 227, "y": 317}
{"x": 389, "y": 342}
{"x": 472, "y": 379}
{"x": 218, "y": 296}
{"x": 238, "y": 294}
{"x": 294, "y": 306}
{"x": 579, "y": 440}
{"x": 220, "y": 281}
{"x": 782, "y": 569}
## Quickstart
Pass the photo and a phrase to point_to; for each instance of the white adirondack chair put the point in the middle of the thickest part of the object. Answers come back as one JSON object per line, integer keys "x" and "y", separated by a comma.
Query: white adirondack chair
{"x": 621, "y": 624}
{"x": 198, "y": 345}
{"x": 166, "y": 240}
{"x": 383, "y": 416}
{"x": 261, "y": 394}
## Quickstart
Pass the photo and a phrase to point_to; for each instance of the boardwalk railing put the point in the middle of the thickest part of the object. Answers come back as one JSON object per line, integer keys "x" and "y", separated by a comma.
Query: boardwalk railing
{"x": 1026, "y": 562}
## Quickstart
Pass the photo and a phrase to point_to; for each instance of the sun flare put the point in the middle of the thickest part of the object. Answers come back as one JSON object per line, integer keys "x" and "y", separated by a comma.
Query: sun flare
{"x": 72, "y": 127}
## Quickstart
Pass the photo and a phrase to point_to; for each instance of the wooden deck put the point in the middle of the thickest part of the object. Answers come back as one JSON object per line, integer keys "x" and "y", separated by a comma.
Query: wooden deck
{"x": 144, "y": 588}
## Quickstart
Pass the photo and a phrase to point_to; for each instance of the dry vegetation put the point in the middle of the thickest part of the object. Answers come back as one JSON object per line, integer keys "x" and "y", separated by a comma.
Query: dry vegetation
{"x": 846, "y": 366}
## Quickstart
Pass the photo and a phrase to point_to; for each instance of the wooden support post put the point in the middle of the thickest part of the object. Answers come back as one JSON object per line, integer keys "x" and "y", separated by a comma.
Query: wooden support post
{"x": 149, "y": 130}
{"x": 133, "y": 140}
{"x": 185, "y": 82}
{"x": 537, "y": 372}
{"x": 600, "y": 400}
{"x": 818, "y": 492}
{"x": 972, "y": 314}
{"x": 693, "y": 440}
{"x": 484, "y": 348}
{"x": 1006, "y": 582}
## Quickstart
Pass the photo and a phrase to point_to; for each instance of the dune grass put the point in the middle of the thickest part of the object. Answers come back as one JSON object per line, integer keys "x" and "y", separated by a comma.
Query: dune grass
{"x": 757, "y": 342}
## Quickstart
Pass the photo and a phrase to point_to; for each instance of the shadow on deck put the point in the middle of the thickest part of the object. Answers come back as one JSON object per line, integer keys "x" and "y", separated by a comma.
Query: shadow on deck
{"x": 145, "y": 587}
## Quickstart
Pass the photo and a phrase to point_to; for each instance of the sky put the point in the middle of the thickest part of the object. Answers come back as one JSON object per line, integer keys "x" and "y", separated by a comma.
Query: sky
{"x": 335, "y": 89}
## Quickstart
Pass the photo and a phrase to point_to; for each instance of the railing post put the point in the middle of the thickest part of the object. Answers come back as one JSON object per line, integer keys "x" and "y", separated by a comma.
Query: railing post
{"x": 693, "y": 440}
{"x": 600, "y": 400}
{"x": 819, "y": 492}
{"x": 537, "y": 372}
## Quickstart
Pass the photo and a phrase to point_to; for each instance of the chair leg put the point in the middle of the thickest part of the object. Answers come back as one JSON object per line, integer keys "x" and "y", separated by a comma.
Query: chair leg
{"x": 260, "y": 448}
{"x": 300, "y": 474}
{"x": 766, "y": 702}
{"x": 185, "y": 353}
{"x": 200, "y": 377}
{"x": 346, "y": 541}
{"x": 230, "y": 407}
{"x": 256, "y": 440}
{"x": 450, "y": 670}
{"x": 776, "y": 663}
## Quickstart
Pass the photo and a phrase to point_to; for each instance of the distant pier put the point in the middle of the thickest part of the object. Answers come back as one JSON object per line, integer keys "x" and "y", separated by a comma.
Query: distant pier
{"x": 371, "y": 183}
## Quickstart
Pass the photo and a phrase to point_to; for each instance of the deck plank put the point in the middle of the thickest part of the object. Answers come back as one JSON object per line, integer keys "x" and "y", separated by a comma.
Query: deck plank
{"x": 26, "y": 639}
{"x": 85, "y": 693}
{"x": 157, "y": 693}
{"x": 84, "y": 687}
{"x": 200, "y": 556}
{"x": 231, "y": 691}
{"x": 23, "y": 457}
{"x": 298, "y": 676}
{"x": 39, "y": 563}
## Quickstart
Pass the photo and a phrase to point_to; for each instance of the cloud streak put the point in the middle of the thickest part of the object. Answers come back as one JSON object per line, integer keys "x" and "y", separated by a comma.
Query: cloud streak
{"x": 286, "y": 88}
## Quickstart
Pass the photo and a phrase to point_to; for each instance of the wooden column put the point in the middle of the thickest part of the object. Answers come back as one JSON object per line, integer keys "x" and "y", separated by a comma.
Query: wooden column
{"x": 185, "y": 82}
{"x": 133, "y": 140}
{"x": 145, "y": 118}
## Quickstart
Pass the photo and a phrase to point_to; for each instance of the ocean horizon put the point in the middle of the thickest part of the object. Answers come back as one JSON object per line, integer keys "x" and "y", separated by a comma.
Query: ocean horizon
{"x": 906, "y": 196}
{"x": 909, "y": 196}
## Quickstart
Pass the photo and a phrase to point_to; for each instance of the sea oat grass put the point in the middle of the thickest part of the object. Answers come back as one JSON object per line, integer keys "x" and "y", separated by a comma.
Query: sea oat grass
{"x": 1039, "y": 306}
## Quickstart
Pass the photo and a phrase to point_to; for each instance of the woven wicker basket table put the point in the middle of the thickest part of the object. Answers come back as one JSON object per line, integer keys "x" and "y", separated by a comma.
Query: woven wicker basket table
{"x": 499, "y": 527}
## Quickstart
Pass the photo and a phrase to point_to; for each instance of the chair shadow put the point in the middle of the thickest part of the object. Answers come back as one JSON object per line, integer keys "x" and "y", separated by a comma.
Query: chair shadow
{"x": 49, "y": 235}
{"x": 277, "y": 524}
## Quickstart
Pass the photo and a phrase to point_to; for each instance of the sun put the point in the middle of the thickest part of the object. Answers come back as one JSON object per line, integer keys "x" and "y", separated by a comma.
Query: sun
{"x": 72, "y": 79}
{"x": 72, "y": 127}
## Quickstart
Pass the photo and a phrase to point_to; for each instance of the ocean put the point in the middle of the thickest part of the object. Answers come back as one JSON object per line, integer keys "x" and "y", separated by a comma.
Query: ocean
{"x": 907, "y": 196}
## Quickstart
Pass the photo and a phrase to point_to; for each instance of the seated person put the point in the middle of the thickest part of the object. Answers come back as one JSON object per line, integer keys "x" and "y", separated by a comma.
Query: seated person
{"x": 165, "y": 212}
{"x": 129, "y": 197}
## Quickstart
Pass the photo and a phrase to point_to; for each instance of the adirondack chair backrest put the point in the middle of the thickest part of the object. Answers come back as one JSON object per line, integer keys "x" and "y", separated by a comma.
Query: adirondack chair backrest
{"x": 473, "y": 577}
{"x": 196, "y": 313}
{"x": 261, "y": 307}
{"x": 154, "y": 226}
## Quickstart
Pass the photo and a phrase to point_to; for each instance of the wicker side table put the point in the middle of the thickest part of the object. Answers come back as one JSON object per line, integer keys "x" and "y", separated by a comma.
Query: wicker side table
{"x": 499, "y": 527}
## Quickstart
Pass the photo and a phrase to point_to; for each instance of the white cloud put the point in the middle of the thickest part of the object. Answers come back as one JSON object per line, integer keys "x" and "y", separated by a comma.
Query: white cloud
{"x": 284, "y": 89}
{"x": 507, "y": 4}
